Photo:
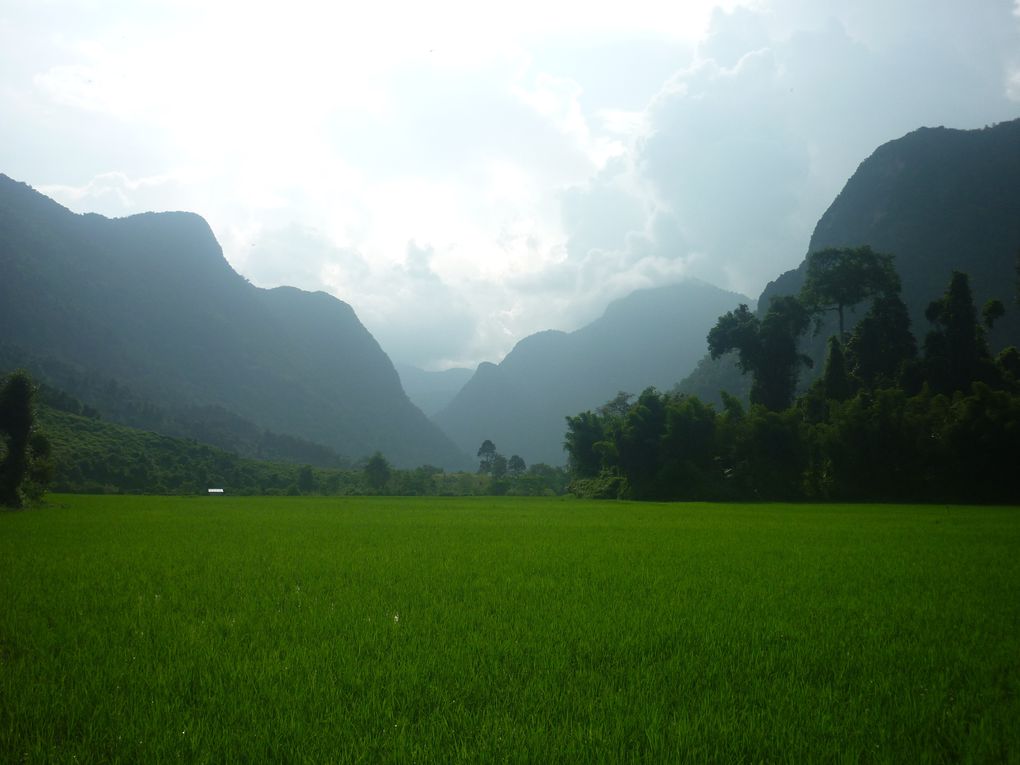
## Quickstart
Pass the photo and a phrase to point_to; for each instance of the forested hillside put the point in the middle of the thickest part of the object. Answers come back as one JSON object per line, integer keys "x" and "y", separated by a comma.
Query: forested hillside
{"x": 149, "y": 303}
{"x": 891, "y": 417}
{"x": 85, "y": 454}
{"x": 938, "y": 200}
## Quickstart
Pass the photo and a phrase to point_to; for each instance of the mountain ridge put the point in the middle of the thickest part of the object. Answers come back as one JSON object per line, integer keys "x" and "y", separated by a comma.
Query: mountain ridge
{"x": 644, "y": 339}
{"x": 151, "y": 302}
{"x": 937, "y": 199}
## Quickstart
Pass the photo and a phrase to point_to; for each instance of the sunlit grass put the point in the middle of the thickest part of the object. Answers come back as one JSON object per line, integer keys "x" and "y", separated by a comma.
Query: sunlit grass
{"x": 282, "y": 629}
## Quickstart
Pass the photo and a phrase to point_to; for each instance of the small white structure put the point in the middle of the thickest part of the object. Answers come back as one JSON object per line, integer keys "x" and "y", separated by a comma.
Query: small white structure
{"x": 215, "y": 491}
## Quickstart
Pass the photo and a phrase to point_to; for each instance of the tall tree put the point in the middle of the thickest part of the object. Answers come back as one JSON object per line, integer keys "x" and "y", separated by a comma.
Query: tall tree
{"x": 881, "y": 342}
{"x": 377, "y": 471}
{"x": 17, "y": 438}
{"x": 486, "y": 456}
{"x": 639, "y": 443}
{"x": 835, "y": 380}
{"x": 516, "y": 466}
{"x": 955, "y": 351}
{"x": 992, "y": 312}
{"x": 584, "y": 432}
{"x": 840, "y": 278}
{"x": 499, "y": 466}
{"x": 766, "y": 348}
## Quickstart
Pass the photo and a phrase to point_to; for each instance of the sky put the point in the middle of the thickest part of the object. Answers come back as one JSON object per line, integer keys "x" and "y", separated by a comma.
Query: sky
{"x": 465, "y": 173}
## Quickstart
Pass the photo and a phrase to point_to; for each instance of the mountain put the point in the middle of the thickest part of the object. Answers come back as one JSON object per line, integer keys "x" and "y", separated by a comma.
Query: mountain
{"x": 652, "y": 337}
{"x": 937, "y": 199}
{"x": 150, "y": 302}
{"x": 432, "y": 391}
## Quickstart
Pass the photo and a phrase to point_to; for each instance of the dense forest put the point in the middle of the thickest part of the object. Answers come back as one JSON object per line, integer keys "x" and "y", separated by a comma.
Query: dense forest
{"x": 885, "y": 421}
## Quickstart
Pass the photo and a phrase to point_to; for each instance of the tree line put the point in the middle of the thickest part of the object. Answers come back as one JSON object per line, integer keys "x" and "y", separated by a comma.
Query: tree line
{"x": 885, "y": 421}
{"x": 50, "y": 440}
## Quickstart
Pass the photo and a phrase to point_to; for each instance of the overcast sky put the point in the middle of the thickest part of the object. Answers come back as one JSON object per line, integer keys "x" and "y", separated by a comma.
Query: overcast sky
{"x": 463, "y": 173}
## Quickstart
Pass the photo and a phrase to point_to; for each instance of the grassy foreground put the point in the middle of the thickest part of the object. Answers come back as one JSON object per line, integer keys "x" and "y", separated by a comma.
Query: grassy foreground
{"x": 142, "y": 629}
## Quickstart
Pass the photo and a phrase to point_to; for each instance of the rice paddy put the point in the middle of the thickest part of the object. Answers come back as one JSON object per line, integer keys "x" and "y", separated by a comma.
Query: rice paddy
{"x": 215, "y": 629}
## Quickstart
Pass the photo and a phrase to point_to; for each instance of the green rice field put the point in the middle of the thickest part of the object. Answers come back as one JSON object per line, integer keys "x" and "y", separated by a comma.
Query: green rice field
{"x": 219, "y": 629}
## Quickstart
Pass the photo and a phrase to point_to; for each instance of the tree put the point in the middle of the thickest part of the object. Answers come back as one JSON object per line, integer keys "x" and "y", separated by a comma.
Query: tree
{"x": 992, "y": 312}
{"x": 618, "y": 406}
{"x": 639, "y": 441}
{"x": 766, "y": 348}
{"x": 377, "y": 472}
{"x": 840, "y": 278}
{"x": 499, "y": 466}
{"x": 516, "y": 466}
{"x": 955, "y": 351}
{"x": 584, "y": 432}
{"x": 835, "y": 381}
{"x": 24, "y": 453}
{"x": 486, "y": 455}
{"x": 305, "y": 479}
{"x": 881, "y": 343}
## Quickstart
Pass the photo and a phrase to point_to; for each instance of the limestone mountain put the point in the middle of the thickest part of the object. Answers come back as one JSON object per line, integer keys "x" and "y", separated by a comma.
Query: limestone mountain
{"x": 937, "y": 199}
{"x": 150, "y": 302}
{"x": 652, "y": 337}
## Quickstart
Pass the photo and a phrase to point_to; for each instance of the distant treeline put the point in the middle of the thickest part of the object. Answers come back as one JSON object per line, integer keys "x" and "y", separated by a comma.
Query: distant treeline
{"x": 90, "y": 455}
{"x": 884, "y": 422}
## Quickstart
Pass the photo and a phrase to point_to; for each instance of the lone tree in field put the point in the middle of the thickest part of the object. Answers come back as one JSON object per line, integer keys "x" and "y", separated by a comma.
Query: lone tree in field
{"x": 840, "y": 278}
{"x": 767, "y": 348}
{"x": 25, "y": 467}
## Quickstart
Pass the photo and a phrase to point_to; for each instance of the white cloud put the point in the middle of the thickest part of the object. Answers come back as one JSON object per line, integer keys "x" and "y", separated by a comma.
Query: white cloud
{"x": 1013, "y": 85}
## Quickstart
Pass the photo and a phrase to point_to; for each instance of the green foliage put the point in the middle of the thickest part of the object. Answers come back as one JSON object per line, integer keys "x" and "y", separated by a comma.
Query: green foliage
{"x": 955, "y": 351}
{"x": 93, "y": 456}
{"x": 486, "y": 456}
{"x": 766, "y": 348}
{"x": 67, "y": 388}
{"x": 881, "y": 343}
{"x": 516, "y": 466}
{"x": 836, "y": 383}
{"x": 992, "y": 312}
{"x": 585, "y": 432}
{"x": 25, "y": 468}
{"x": 950, "y": 433}
{"x": 377, "y": 472}
{"x": 605, "y": 486}
{"x": 839, "y": 277}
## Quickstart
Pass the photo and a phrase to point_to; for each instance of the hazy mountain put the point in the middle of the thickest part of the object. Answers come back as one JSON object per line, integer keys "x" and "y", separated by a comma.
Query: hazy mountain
{"x": 150, "y": 302}
{"x": 652, "y": 337}
{"x": 937, "y": 199}
{"x": 432, "y": 391}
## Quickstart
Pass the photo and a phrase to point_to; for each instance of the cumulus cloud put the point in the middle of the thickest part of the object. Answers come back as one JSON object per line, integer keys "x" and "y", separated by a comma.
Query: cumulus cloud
{"x": 115, "y": 193}
{"x": 741, "y": 150}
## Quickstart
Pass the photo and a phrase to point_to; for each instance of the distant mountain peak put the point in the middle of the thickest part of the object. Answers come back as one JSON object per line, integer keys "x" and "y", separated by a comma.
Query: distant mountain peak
{"x": 150, "y": 302}
{"x": 652, "y": 337}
